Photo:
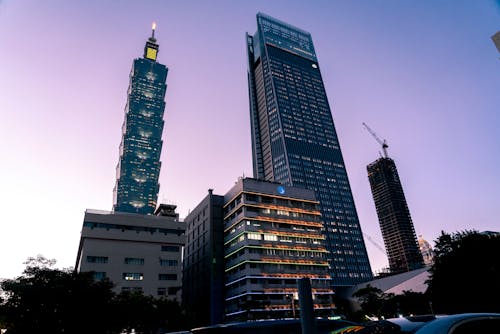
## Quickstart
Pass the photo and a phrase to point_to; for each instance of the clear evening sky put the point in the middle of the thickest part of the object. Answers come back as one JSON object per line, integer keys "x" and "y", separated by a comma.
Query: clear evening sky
{"x": 424, "y": 75}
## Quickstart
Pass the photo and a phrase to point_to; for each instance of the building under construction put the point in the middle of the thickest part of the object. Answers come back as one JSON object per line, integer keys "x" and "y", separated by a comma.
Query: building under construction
{"x": 393, "y": 214}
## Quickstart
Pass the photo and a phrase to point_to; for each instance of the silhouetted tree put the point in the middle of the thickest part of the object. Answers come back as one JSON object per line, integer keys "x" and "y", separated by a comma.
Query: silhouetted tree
{"x": 376, "y": 303}
{"x": 465, "y": 276}
{"x": 371, "y": 300}
{"x": 47, "y": 300}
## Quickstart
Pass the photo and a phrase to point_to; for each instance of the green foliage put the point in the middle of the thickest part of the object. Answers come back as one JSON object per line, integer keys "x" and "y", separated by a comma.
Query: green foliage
{"x": 375, "y": 303}
{"x": 53, "y": 301}
{"x": 465, "y": 276}
{"x": 372, "y": 300}
{"x": 46, "y": 300}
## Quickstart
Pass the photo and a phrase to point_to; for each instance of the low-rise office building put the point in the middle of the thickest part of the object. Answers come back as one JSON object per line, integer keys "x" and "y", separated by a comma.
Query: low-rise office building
{"x": 272, "y": 237}
{"x": 136, "y": 252}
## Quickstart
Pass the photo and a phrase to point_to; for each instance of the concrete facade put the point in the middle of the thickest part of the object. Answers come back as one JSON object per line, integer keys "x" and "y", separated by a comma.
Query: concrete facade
{"x": 136, "y": 252}
{"x": 203, "y": 276}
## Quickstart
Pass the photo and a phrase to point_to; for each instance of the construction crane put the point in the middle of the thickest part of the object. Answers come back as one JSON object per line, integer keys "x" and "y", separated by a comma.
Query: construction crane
{"x": 383, "y": 143}
{"x": 374, "y": 243}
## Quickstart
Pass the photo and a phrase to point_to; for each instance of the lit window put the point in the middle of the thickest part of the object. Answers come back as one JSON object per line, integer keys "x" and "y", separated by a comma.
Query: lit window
{"x": 133, "y": 276}
{"x": 270, "y": 237}
{"x": 253, "y": 236}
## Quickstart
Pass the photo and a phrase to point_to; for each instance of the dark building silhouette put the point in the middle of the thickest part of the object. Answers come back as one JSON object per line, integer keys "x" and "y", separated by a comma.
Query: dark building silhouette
{"x": 203, "y": 274}
{"x": 394, "y": 217}
{"x": 294, "y": 141}
{"x": 138, "y": 169}
{"x": 496, "y": 40}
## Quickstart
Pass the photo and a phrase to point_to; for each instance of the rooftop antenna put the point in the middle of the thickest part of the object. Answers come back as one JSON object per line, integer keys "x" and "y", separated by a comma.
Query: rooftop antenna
{"x": 383, "y": 143}
{"x": 153, "y": 28}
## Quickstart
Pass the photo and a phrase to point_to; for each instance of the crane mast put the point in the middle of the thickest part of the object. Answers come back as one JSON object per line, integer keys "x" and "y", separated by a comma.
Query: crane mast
{"x": 382, "y": 143}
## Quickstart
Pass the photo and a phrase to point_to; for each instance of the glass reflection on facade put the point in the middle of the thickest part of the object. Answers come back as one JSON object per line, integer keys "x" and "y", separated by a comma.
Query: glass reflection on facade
{"x": 294, "y": 140}
{"x": 138, "y": 169}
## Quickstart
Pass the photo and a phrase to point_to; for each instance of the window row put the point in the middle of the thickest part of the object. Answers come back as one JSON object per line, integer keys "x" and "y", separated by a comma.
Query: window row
{"x": 139, "y": 261}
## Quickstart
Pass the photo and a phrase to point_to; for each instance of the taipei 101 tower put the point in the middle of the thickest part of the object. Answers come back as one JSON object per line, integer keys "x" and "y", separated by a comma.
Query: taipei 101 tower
{"x": 138, "y": 169}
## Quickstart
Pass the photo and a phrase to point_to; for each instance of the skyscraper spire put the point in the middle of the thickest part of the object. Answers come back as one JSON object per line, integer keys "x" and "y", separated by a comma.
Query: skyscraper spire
{"x": 153, "y": 28}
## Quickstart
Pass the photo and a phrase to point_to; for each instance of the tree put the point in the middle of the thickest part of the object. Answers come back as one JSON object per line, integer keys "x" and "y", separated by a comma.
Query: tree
{"x": 465, "y": 276}
{"x": 372, "y": 300}
{"x": 46, "y": 300}
{"x": 375, "y": 303}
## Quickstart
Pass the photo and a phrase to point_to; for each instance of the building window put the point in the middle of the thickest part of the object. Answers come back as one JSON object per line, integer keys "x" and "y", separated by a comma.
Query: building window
{"x": 167, "y": 277}
{"x": 253, "y": 236}
{"x": 99, "y": 275}
{"x": 133, "y": 276}
{"x": 170, "y": 248}
{"x": 169, "y": 263}
{"x": 162, "y": 291}
{"x": 97, "y": 259}
{"x": 270, "y": 237}
{"x": 133, "y": 260}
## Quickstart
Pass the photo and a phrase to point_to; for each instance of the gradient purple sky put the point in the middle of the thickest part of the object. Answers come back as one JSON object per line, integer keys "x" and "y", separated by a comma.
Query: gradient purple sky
{"x": 425, "y": 75}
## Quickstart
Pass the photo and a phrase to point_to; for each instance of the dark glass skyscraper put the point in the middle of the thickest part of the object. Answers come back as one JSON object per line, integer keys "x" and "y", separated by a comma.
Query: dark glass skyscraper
{"x": 294, "y": 140}
{"x": 394, "y": 217}
{"x": 138, "y": 168}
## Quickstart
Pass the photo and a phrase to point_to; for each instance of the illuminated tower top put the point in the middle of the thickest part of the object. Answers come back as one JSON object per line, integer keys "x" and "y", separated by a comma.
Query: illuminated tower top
{"x": 151, "y": 48}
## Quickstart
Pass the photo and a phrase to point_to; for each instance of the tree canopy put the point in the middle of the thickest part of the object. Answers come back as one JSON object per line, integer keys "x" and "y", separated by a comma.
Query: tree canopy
{"x": 375, "y": 303}
{"x": 465, "y": 276}
{"x": 47, "y": 300}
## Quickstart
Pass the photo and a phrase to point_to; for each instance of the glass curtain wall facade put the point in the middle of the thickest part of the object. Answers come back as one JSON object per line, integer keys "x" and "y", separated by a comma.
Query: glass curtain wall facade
{"x": 394, "y": 217}
{"x": 294, "y": 141}
{"x": 138, "y": 169}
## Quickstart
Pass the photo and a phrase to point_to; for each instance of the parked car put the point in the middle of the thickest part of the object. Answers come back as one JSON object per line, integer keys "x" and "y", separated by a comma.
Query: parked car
{"x": 411, "y": 324}
{"x": 465, "y": 323}
{"x": 286, "y": 326}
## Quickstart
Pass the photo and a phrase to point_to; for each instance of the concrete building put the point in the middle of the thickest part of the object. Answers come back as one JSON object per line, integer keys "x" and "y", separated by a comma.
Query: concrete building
{"x": 136, "y": 252}
{"x": 272, "y": 237}
{"x": 294, "y": 140}
{"x": 394, "y": 217}
{"x": 203, "y": 276}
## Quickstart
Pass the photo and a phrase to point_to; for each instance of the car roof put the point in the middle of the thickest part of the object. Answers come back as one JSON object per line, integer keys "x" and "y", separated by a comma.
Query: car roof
{"x": 442, "y": 324}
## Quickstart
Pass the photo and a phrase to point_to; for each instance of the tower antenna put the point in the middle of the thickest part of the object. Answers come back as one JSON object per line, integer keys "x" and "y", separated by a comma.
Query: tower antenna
{"x": 153, "y": 28}
{"x": 383, "y": 143}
